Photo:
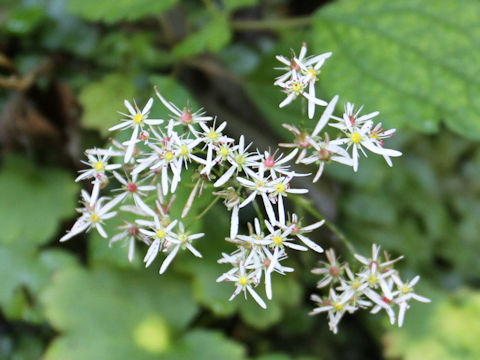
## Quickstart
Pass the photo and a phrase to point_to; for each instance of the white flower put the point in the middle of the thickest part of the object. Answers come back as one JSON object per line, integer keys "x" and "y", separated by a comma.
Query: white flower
{"x": 240, "y": 160}
{"x": 357, "y": 138}
{"x": 212, "y": 137}
{"x": 350, "y": 116}
{"x": 129, "y": 234}
{"x": 278, "y": 238}
{"x": 303, "y": 141}
{"x": 279, "y": 188}
{"x": 300, "y": 72}
{"x": 185, "y": 116}
{"x": 404, "y": 293}
{"x": 133, "y": 188}
{"x": 98, "y": 161}
{"x": 335, "y": 306}
{"x": 298, "y": 231}
{"x": 92, "y": 216}
{"x": 245, "y": 282}
{"x": 295, "y": 87}
{"x": 135, "y": 120}
{"x": 165, "y": 158}
{"x": 331, "y": 271}
{"x": 183, "y": 240}
{"x": 159, "y": 232}
{"x": 278, "y": 165}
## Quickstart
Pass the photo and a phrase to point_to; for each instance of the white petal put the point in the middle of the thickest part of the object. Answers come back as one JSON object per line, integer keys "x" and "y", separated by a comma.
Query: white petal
{"x": 169, "y": 259}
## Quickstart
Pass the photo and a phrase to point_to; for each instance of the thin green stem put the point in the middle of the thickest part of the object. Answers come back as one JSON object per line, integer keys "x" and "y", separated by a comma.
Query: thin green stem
{"x": 207, "y": 209}
{"x": 259, "y": 213}
{"x": 307, "y": 205}
{"x": 272, "y": 24}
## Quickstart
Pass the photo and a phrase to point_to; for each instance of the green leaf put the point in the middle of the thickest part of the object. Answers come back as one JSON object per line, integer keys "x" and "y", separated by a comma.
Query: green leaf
{"x": 211, "y": 37}
{"x": 110, "y": 11}
{"x": 135, "y": 314}
{"x": 414, "y": 62}
{"x": 23, "y": 20}
{"x": 34, "y": 200}
{"x": 208, "y": 345}
{"x": 232, "y": 5}
{"x": 32, "y": 271}
{"x": 102, "y": 100}
{"x": 441, "y": 330}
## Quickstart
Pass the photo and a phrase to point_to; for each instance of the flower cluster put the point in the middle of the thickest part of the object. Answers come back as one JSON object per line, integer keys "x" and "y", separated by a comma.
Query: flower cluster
{"x": 357, "y": 133}
{"x": 137, "y": 180}
{"x": 376, "y": 286}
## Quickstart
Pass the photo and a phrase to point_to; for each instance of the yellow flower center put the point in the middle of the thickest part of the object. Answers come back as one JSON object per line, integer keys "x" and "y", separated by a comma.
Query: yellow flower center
{"x": 297, "y": 87}
{"x": 277, "y": 240}
{"x": 240, "y": 159}
{"x": 405, "y": 289}
{"x": 372, "y": 279}
{"x": 243, "y": 280}
{"x": 280, "y": 188}
{"x": 224, "y": 151}
{"x": 160, "y": 233}
{"x": 138, "y": 118}
{"x": 99, "y": 166}
{"x": 94, "y": 218}
{"x": 168, "y": 156}
{"x": 312, "y": 72}
{"x": 338, "y": 307}
{"x": 356, "y": 137}
{"x": 356, "y": 284}
{"x": 183, "y": 238}
{"x": 183, "y": 150}
{"x": 259, "y": 184}
{"x": 212, "y": 135}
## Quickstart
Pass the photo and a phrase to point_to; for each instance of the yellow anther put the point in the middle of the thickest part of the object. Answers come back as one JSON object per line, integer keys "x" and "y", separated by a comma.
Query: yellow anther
{"x": 160, "y": 233}
{"x": 240, "y": 159}
{"x": 183, "y": 150}
{"x": 356, "y": 137}
{"x": 277, "y": 240}
{"x": 312, "y": 72}
{"x": 280, "y": 188}
{"x": 372, "y": 279}
{"x": 94, "y": 218}
{"x": 297, "y": 87}
{"x": 356, "y": 284}
{"x": 224, "y": 151}
{"x": 338, "y": 307}
{"x": 168, "y": 156}
{"x": 99, "y": 166}
{"x": 212, "y": 135}
{"x": 242, "y": 280}
{"x": 405, "y": 289}
{"x": 138, "y": 118}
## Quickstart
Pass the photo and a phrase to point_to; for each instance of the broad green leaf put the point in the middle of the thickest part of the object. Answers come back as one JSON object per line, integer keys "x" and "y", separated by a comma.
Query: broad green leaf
{"x": 22, "y": 20}
{"x": 211, "y": 37}
{"x": 24, "y": 272}
{"x": 443, "y": 329}
{"x": 102, "y": 100}
{"x": 111, "y": 11}
{"x": 135, "y": 313}
{"x": 34, "y": 200}
{"x": 207, "y": 345}
{"x": 414, "y": 62}
{"x": 232, "y": 5}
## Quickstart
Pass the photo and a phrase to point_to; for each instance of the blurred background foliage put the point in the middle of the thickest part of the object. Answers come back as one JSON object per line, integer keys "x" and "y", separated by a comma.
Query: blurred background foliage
{"x": 65, "y": 68}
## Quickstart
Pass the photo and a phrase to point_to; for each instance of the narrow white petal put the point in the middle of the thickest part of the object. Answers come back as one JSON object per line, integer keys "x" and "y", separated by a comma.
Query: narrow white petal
{"x": 257, "y": 298}
{"x": 169, "y": 259}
